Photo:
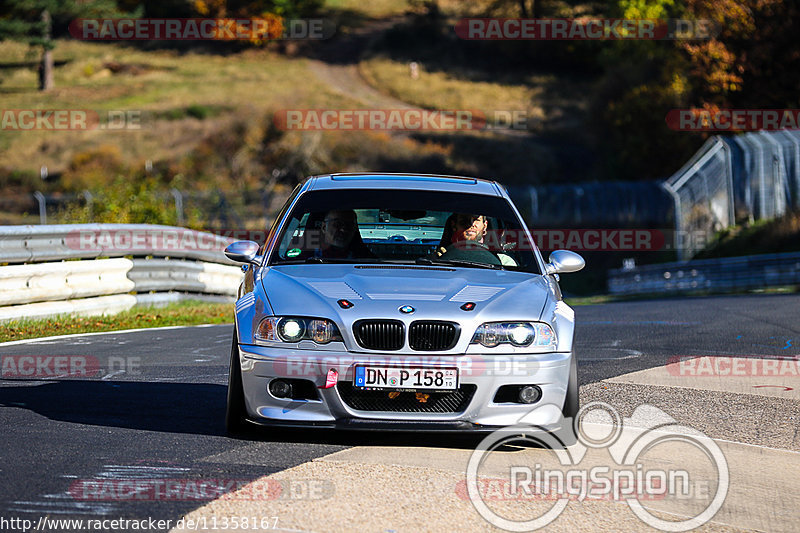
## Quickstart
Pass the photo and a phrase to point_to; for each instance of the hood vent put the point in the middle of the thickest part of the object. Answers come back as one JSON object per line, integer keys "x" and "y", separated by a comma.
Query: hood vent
{"x": 337, "y": 290}
{"x": 475, "y": 293}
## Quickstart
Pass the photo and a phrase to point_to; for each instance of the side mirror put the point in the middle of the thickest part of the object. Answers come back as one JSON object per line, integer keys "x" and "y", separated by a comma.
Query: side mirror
{"x": 243, "y": 252}
{"x": 563, "y": 261}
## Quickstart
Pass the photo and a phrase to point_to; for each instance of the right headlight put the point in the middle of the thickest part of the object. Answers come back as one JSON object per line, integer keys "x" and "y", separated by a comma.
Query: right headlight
{"x": 520, "y": 334}
{"x": 296, "y": 329}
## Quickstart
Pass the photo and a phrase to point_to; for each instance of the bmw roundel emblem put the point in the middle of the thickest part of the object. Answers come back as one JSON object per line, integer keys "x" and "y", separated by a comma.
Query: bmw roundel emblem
{"x": 407, "y": 309}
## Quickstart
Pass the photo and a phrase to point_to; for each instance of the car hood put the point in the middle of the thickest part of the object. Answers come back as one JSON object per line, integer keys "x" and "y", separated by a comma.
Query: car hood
{"x": 378, "y": 291}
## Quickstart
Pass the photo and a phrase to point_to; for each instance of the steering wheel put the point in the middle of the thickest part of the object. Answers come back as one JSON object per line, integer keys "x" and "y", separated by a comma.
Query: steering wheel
{"x": 471, "y": 251}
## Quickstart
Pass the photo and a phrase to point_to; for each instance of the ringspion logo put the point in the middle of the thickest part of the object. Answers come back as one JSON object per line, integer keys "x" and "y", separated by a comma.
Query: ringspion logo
{"x": 646, "y": 458}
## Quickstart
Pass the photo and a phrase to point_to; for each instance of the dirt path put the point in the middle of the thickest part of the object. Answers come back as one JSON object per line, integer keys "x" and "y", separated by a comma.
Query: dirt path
{"x": 337, "y": 65}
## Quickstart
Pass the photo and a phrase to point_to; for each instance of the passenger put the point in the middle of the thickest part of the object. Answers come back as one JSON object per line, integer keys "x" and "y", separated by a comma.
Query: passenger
{"x": 341, "y": 238}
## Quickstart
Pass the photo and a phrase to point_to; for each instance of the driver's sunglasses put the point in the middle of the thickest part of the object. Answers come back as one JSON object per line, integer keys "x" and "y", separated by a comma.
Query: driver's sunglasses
{"x": 467, "y": 221}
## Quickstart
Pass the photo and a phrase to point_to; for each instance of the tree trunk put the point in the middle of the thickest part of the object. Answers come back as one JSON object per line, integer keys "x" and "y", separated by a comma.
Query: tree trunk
{"x": 523, "y": 9}
{"x": 537, "y": 8}
{"x": 46, "y": 66}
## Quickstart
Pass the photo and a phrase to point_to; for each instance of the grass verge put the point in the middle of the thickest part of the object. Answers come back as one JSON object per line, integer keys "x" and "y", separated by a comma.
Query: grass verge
{"x": 760, "y": 237}
{"x": 188, "y": 313}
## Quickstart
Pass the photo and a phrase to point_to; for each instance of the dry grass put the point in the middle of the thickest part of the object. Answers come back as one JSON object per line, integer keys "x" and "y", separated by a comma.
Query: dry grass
{"x": 439, "y": 90}
{"x": 250, "y": 84}
{"x": 371, "y": 8}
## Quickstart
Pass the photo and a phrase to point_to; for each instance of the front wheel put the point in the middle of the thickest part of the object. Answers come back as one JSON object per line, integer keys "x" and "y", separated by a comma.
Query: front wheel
{"x": 235, "y": 411}
{"x": 567, "y": 434}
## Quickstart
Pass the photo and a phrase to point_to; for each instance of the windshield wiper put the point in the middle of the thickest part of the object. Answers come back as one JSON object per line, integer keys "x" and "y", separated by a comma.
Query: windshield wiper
{"x": 351, "y": 260}
{"x": 457, "y": 262}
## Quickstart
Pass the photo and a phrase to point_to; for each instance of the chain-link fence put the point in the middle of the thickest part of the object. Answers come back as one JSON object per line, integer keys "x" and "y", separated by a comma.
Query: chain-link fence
{"x": 213, "y": 210}
{"x": 584, "y": 205}
{"x": 736, "y": 178}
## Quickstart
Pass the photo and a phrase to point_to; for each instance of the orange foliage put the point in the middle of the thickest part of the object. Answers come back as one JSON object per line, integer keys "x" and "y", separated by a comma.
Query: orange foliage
{"x": 716, "y": 63}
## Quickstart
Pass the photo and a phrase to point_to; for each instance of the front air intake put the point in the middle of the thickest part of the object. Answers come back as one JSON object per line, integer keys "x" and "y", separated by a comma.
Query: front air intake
{"x": 431, "y": 336}
{"x": 379, "y": 334}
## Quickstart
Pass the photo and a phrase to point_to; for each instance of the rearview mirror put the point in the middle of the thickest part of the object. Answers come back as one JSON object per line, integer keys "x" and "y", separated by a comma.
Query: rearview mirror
{"x": 243, "y": 252}
{"x": 563, "y": 261}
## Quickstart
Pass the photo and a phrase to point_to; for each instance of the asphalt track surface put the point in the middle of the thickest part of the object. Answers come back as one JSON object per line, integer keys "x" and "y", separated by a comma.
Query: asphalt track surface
{"x": 154, "y": 408}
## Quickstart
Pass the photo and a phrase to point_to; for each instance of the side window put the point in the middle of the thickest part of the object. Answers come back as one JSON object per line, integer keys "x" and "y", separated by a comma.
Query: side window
{"x": 293, "y": 233}
{"x": 277, "y": 221}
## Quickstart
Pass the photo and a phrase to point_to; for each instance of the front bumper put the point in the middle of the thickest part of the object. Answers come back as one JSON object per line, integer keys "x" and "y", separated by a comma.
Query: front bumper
{"x": 487, "y": 373}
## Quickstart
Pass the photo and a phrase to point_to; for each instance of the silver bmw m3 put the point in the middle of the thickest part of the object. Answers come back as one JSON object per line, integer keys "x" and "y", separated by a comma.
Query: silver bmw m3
{"x": 399, "y": 301}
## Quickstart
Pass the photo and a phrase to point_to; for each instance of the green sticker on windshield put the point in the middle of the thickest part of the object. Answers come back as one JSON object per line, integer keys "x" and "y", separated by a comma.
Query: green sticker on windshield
{"x": 294, "y": 252}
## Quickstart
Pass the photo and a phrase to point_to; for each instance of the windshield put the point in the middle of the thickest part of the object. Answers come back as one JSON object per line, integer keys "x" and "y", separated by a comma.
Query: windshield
{"x": 403, "y": 227}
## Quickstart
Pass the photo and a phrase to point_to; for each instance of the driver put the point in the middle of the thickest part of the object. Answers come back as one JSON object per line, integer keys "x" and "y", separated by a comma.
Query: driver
{"x": 464, "y": 232}
{"x": 462, "y": 228}
{"x": 469, "y": 228}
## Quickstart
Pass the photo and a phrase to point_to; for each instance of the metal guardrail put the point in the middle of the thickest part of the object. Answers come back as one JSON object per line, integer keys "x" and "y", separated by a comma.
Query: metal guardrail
{"x": 120, "y": 265}
{"x": 27, "y": 244}
{"x": 708, "y": 275}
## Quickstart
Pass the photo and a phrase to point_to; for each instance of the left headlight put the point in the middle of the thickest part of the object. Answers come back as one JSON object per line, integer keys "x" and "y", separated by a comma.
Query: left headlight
{"x": 296, "y": 329}
{"x": 520, "y": 334}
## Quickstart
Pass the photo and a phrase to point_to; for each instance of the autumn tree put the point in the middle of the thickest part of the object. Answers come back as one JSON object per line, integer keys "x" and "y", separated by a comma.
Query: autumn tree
{"x": 32, "y": 21}
{"x": 752, "y": 60}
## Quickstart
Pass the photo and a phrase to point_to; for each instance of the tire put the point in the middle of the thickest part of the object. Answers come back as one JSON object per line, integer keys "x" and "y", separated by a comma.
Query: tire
{"x": 571, "y": 407}
{"x": 235, "y": 410}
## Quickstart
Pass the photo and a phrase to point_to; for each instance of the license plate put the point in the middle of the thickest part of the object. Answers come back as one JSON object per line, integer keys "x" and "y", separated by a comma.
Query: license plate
{"x": 393, "y": 378}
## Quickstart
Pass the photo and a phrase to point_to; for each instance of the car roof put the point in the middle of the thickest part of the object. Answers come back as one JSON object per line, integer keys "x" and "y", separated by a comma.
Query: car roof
{"x": 389, "y": 180}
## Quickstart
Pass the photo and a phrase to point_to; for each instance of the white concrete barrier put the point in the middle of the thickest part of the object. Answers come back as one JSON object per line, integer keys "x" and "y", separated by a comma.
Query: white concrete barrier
{"x": 64, "y": 280}
{"x": 42, "y": 275}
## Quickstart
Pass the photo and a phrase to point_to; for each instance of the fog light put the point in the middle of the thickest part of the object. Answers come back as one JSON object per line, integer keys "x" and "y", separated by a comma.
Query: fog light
{"x": 280, "y": 389}
{"x": 530, "y": 394}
